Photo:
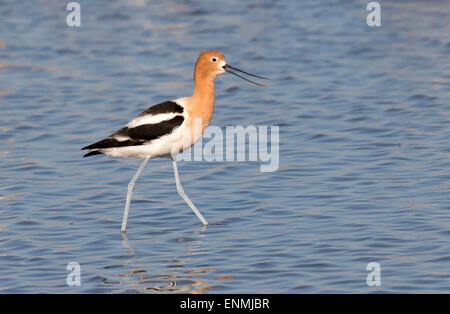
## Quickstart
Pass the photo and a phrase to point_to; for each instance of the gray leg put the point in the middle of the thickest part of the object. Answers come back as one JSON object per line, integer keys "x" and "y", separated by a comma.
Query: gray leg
{"x": 130, "y": 192}
{"x": 184, "y": 196}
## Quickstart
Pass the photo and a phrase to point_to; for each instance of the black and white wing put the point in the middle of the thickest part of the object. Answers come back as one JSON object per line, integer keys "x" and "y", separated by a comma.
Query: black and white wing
{"x": 155, "y": 122}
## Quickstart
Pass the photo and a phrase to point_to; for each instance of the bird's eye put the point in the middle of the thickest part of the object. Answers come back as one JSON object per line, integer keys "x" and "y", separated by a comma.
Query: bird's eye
{"x": 214, "y": 59}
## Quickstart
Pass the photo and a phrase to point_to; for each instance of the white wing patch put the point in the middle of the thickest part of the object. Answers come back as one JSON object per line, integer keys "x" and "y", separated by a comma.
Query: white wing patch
{"x": 156, "y": 118}
{"x": 151, "y": 119}
{"x": 121, "y": 138}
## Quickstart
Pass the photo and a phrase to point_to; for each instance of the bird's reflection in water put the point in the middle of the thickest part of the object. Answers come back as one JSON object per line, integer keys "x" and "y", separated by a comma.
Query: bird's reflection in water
{"x": 178, "y": 279}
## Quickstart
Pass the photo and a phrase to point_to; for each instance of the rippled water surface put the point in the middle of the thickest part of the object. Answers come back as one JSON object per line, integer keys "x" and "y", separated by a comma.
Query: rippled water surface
{"x": 364, "y": 148}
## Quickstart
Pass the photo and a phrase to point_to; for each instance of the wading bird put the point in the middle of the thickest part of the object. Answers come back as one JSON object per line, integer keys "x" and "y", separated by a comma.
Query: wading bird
{"x": 168, "y": 128}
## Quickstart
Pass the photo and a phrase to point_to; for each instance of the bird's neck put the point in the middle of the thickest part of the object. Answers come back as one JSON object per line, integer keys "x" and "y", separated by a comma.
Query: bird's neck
{"x": 203, "y": 99}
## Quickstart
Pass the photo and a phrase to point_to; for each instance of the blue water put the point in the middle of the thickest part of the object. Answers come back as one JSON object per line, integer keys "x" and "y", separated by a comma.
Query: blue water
{"x": 364, "y": 118}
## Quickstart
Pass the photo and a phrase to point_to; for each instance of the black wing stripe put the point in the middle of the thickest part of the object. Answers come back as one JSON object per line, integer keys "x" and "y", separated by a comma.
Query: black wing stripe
{"x": 112, "y": 142}
{"x": 92, "y": 153}
{"x": 150, "y": 132}
{"x": 139, "y": 135}
{"x": 164, "y": 107}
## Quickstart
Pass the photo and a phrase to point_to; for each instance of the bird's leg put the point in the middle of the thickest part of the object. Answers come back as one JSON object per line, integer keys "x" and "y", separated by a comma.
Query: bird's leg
{"x": 129, "y": 193}
{"x": 184, "y": 196}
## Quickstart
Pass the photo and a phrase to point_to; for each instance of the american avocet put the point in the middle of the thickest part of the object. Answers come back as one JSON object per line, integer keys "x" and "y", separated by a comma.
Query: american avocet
{"x": 160, "y": 131}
